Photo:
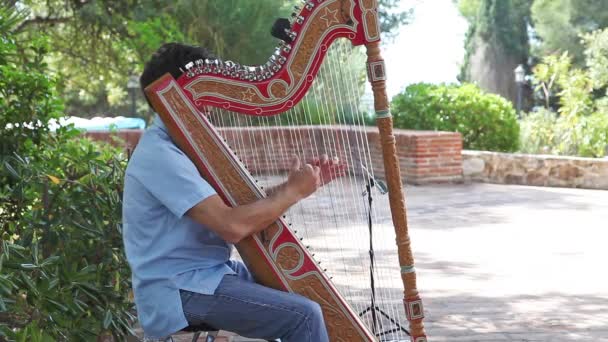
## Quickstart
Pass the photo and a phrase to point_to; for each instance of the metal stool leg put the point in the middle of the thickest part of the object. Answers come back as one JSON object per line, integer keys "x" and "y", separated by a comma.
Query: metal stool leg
{"x": 211, "y": 335}
{"x": 196, "y": 336}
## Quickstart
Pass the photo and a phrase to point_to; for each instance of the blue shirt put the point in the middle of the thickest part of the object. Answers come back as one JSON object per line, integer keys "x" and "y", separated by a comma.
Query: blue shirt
{"x": 167, "y": 251}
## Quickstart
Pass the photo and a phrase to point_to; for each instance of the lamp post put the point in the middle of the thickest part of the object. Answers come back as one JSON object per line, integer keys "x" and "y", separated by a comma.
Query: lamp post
{"x": 520, "y": 78}
{"x": 133, "y": 85}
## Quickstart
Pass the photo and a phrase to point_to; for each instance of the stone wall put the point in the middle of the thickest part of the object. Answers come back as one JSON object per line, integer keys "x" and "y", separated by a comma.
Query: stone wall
{"x": 536, "y": 170}
{"x": 425, "y": 157}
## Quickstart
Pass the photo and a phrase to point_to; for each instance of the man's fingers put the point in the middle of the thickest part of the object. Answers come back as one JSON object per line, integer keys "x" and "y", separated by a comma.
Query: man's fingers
{"x": 324, "y": 159}
{"x": 316, "y": 171}
{"x": 295, "y": 163}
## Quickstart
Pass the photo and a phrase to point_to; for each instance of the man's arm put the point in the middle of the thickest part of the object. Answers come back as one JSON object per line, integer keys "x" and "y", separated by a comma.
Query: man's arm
{"x": 234, "y": 224}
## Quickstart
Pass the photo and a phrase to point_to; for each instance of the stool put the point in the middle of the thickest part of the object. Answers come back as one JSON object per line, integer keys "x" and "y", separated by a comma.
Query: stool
{"x": 199, "y": 329}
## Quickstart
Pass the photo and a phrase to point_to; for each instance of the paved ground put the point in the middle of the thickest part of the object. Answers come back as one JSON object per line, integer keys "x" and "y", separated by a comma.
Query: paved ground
{"x": 512, "y": 263}
{"x": 497, "y": 263}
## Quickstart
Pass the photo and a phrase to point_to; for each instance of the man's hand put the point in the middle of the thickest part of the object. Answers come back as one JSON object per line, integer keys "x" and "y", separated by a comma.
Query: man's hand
{"x": 330, "y": 168}
{"x": 303, "y": 181}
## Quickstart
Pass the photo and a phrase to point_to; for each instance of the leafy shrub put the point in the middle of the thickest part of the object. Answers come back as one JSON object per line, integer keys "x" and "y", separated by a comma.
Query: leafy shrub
{"x": 547, "y": 132}
{"x": 486, "y": 122}
{"x": 538, "y": 133}
{"x": 27, "y": 93}
{"x": 579, "y": 126}
{"x": 63, "y": 275}
{"x": 63, "y": 272}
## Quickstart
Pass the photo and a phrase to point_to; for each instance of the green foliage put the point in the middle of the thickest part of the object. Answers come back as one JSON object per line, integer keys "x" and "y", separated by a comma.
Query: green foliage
{"x": 596, "y": 54}
{"x": 391, "y": 18}
{"x": 486, "y": 122}
{"x": 97, "y": 45}
{"x": 560, "y": 23}
{"x": 502, "y": 24}
{"x": 580, "y": 124}
{"x": 27, "y": 96}
{"x": 538, "y": 132}
{"x": 469, "y": 9}
{"x": 64, "y": 275}
{"x": 546, "y": 132}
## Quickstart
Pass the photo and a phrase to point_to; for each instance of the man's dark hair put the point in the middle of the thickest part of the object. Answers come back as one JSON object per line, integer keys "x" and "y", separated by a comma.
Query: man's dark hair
{"x": 169, "y": 58}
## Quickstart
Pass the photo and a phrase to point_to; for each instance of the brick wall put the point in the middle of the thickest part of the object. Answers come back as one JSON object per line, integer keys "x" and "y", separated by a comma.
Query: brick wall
{"x": 425, "y": 157}
{"x": 126, "y": 138}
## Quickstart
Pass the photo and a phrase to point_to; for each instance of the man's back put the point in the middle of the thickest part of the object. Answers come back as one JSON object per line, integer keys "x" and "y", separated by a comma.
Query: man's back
{"x": 167, "y": 250}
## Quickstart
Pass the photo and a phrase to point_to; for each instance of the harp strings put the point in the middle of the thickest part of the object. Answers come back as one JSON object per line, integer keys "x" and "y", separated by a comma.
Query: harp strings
{"x": 333, "y": 222}
{"x": 380, "y": 274}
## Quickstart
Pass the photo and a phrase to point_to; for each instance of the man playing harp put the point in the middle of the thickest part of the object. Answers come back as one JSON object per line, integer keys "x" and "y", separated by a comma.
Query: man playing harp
{"x": 178, "y": 235}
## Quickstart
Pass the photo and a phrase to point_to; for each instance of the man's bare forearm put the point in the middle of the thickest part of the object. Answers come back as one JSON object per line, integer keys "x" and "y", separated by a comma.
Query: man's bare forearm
{"x": 234, "y": 224}
{"x": 254, "y": 217}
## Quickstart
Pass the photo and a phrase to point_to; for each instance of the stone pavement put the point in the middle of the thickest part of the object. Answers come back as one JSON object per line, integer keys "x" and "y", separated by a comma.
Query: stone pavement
{"x": 507, "y": 263}
{"x": 511, "y": 263}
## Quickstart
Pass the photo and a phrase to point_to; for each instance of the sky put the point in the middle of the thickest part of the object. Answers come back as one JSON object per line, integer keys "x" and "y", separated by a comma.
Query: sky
{"x": 429, "y": 49}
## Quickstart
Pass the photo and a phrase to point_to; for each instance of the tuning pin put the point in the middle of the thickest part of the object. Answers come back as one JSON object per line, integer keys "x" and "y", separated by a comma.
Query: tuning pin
{"x": 291, "y": 34}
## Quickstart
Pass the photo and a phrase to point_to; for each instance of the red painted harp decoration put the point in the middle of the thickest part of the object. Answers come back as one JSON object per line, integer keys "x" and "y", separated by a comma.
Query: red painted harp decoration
{"x": 195, "y": 109}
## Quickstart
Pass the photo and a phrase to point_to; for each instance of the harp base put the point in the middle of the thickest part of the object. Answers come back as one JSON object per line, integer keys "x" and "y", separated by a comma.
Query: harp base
{"x": 373, "y": 310}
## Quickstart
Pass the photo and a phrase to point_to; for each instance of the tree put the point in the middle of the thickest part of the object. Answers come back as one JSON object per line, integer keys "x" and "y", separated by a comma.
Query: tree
{"x": 63, "y": 274}
{"x": 559, "y": 25}
{"x": 96, "y": 45}
{"x": 497, "y": 41}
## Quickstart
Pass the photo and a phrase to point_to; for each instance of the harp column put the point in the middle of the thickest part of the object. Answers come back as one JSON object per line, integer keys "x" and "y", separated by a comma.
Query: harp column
{"x": 413, "y": 303}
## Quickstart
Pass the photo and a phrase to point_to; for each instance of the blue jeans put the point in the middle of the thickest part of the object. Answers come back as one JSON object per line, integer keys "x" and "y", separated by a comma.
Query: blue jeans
{"x": 251, "y": 310}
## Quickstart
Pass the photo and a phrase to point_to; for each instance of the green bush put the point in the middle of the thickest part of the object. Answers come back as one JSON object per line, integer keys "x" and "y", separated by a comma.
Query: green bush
{"x": 63, "y": 275}
{"x": 486, "y": 122}
{"x": 63, "y": 271}
{"x": 579, "y": 126}
{"x": 546, "y": 132}
{"x": 538, "y": 132}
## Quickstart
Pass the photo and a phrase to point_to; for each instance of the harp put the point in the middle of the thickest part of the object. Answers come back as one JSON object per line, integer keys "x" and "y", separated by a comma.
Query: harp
{"x": 239, "y": 124}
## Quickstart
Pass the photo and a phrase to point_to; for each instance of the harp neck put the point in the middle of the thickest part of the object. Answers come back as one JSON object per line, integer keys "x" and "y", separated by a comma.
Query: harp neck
{"x": 283, "y": 81}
